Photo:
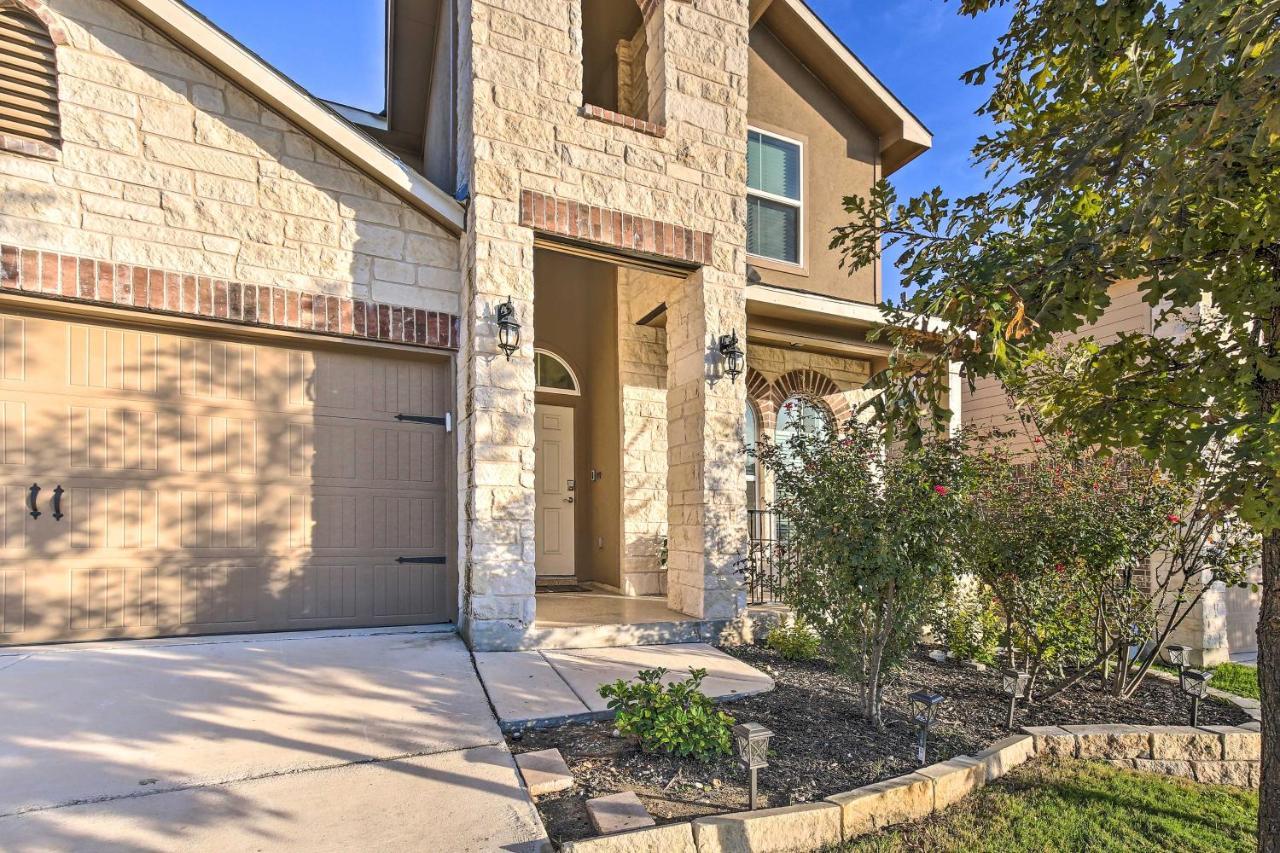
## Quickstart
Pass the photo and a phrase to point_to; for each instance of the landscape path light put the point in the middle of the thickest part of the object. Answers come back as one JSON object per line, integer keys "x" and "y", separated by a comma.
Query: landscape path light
{"x": 1195, "y": 683}
{"x": 924, "y": 713}
{"x": 1015, "y": 687}
{"x": 1179, "y": 655}
{"x": 751, "y": 741}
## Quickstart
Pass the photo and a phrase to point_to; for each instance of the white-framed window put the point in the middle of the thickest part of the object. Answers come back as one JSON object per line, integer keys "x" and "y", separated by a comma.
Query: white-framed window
{"x": 800, "y": 415}
{"x": 552, "y": 373}
{"x": 775, "y": 197}
{"x": 750, "y": 433}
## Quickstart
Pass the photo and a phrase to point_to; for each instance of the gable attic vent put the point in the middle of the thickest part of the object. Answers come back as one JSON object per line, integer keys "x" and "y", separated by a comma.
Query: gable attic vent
{"x": 28, "y": 78}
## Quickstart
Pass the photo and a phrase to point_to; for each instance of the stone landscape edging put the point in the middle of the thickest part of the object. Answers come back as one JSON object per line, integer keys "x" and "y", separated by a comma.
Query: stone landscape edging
{"x": 1217, "y": 754}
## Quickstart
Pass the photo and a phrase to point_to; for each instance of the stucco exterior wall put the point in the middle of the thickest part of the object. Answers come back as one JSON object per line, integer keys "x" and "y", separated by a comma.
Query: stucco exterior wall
{"x": 165, "y": 164}
{"x": 840, "y": 157}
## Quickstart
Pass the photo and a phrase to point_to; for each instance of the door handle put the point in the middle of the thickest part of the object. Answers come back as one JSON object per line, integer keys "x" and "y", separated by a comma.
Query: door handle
{"x": 33, "y": 495}
{"x": 568, "y": 500}
{"x": 57, "y": 502}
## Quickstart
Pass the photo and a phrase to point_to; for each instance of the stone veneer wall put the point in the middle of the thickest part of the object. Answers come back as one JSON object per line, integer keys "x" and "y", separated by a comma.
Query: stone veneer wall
{"x": 523, "y": 127}
{"x": 642, "y": 374}
{"x": 166, "y": 165}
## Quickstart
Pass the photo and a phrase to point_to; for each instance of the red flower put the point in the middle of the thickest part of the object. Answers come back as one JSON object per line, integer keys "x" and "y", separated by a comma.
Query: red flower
{"x": 1038, "y": 440}
{"x": 1059, "y": 568}
{"x": 1173, "y": 519}
{"x": 942, "y": 490}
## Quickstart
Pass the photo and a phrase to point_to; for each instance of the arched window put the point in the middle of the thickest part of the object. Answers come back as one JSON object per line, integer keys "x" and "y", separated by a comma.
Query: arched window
{"x": 750, "y": 434}
{"x": 28, "y": 78}
{"x": 552, "y": 373}
{"x": 800, "y": 415}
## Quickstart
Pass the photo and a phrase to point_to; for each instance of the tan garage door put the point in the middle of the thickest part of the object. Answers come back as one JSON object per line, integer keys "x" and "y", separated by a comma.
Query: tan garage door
{"x": 192, "y": 485}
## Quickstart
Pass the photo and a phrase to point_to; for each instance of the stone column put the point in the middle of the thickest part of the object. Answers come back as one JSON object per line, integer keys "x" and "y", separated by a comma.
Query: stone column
{"x": 495, "y": 396}
{"x": 495, "y": 472}
{"x": 706, "y": 480}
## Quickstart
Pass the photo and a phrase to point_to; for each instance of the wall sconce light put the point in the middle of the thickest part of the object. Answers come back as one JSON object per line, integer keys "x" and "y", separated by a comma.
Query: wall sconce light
{"x": 508, "y": 328}
{"x": 752, "y": 743}
{"x": 924, "y": 713}
{"x": 734, "y": 360}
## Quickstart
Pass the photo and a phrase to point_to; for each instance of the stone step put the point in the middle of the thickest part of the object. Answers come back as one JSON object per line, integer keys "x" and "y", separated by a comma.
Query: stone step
{"x": 544, "y": 771}
{"x": 618, "y": 813}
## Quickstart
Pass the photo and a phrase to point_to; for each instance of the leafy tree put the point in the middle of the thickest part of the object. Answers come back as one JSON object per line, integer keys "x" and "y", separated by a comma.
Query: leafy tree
{"x": 1135, "y": 140}
{"x": 870, "y": 542}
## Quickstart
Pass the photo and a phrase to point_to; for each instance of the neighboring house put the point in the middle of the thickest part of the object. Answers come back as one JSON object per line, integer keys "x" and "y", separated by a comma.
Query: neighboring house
{"x": 252, "y": 375}
{"x": 1225, "y": 621}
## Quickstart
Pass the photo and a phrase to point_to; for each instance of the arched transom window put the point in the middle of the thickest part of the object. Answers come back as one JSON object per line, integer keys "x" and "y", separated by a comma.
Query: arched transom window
{"x": 552, "y": 373}
{"x": 800, "y": 415}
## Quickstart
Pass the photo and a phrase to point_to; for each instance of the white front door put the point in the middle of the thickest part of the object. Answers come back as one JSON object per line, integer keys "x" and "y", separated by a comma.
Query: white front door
{"x": 553, "y": 482}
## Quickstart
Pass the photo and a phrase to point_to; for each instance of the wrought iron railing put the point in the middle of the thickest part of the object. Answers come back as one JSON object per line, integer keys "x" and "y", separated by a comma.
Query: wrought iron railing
{"x": 762, "y": 566}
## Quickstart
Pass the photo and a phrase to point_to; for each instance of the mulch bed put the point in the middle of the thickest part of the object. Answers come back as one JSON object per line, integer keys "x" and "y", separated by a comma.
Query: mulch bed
{"x": 821, "y": 746}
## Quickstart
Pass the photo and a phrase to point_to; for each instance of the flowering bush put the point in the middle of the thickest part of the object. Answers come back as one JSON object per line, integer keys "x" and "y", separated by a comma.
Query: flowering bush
{"x": 1064, "y": 539}
{"x": 871, "y": 538}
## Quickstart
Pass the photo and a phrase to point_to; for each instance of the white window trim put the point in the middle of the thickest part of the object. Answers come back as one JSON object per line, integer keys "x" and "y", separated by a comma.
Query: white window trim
{"x": 797, "y": 203}
{"x": 577, "y": 386}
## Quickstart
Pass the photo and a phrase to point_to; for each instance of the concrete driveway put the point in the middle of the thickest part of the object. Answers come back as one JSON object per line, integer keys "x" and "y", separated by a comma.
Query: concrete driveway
{"x": 373, "y": 740}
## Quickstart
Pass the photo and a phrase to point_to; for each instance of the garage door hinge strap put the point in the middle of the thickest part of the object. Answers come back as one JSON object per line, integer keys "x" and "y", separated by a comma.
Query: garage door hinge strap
{"x": 435, "y": 561}
{"x": 446, "y": 421}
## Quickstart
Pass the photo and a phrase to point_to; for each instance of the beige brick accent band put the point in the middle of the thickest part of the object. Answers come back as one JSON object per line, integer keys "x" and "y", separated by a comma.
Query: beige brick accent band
{"x": 78, "y": 279}
{"x": 614, "y": 229}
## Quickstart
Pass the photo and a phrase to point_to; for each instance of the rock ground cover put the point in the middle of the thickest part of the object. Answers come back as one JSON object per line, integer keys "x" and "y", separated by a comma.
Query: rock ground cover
{"x": 821, "y": 746}
{"x": 1075, "y": 805}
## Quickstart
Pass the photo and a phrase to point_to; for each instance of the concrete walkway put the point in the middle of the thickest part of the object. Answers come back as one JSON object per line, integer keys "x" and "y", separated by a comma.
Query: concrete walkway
{"x": 366, "y": 740}
{"x": 545, "y": 688}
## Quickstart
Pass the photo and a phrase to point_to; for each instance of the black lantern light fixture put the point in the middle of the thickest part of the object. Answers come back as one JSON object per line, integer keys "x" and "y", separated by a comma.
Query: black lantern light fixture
{"x": 1195, "y": 683}
{"x": 1179, "y": 655}
{"x": 731, "y": 352}
{"x": 1015, "y": 687}
{"x": 508, "y": 328}
{"x": 924, "y": 713}
{"x": 751, "y": 741}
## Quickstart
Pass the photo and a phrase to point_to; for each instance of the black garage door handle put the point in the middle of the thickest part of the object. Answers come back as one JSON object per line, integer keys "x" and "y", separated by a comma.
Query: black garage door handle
{"x": 33, "y": 496}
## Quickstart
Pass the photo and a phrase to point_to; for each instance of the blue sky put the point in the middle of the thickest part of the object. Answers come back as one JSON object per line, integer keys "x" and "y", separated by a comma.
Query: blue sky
{"x": 919, "y": 48}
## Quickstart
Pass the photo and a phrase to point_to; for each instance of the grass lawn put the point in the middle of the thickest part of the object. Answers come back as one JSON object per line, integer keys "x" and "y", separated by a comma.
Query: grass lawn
{"x": 1077, "y": 805}
{"x": 1237, "y": 678}
{"x": 1232, "y": 677}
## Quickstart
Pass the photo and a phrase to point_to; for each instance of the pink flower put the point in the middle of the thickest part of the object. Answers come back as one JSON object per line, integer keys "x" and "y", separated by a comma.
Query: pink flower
{"x": 942, "y": 490}
{"x": 1173, "y": 519}
{"x": 1038, "y": 440}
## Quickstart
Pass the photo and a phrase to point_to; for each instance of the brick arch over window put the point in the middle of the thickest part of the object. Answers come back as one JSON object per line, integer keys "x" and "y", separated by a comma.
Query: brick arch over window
{"x": 811, "y": 383}
{"x": 763, "y": 395}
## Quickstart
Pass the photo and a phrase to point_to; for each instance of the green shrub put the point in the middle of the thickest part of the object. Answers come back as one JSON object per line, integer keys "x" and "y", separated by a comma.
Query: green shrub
{"x": 970, "y": 622}
{"x": 796, "y": 641}
{"x": 677, "y": 718}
